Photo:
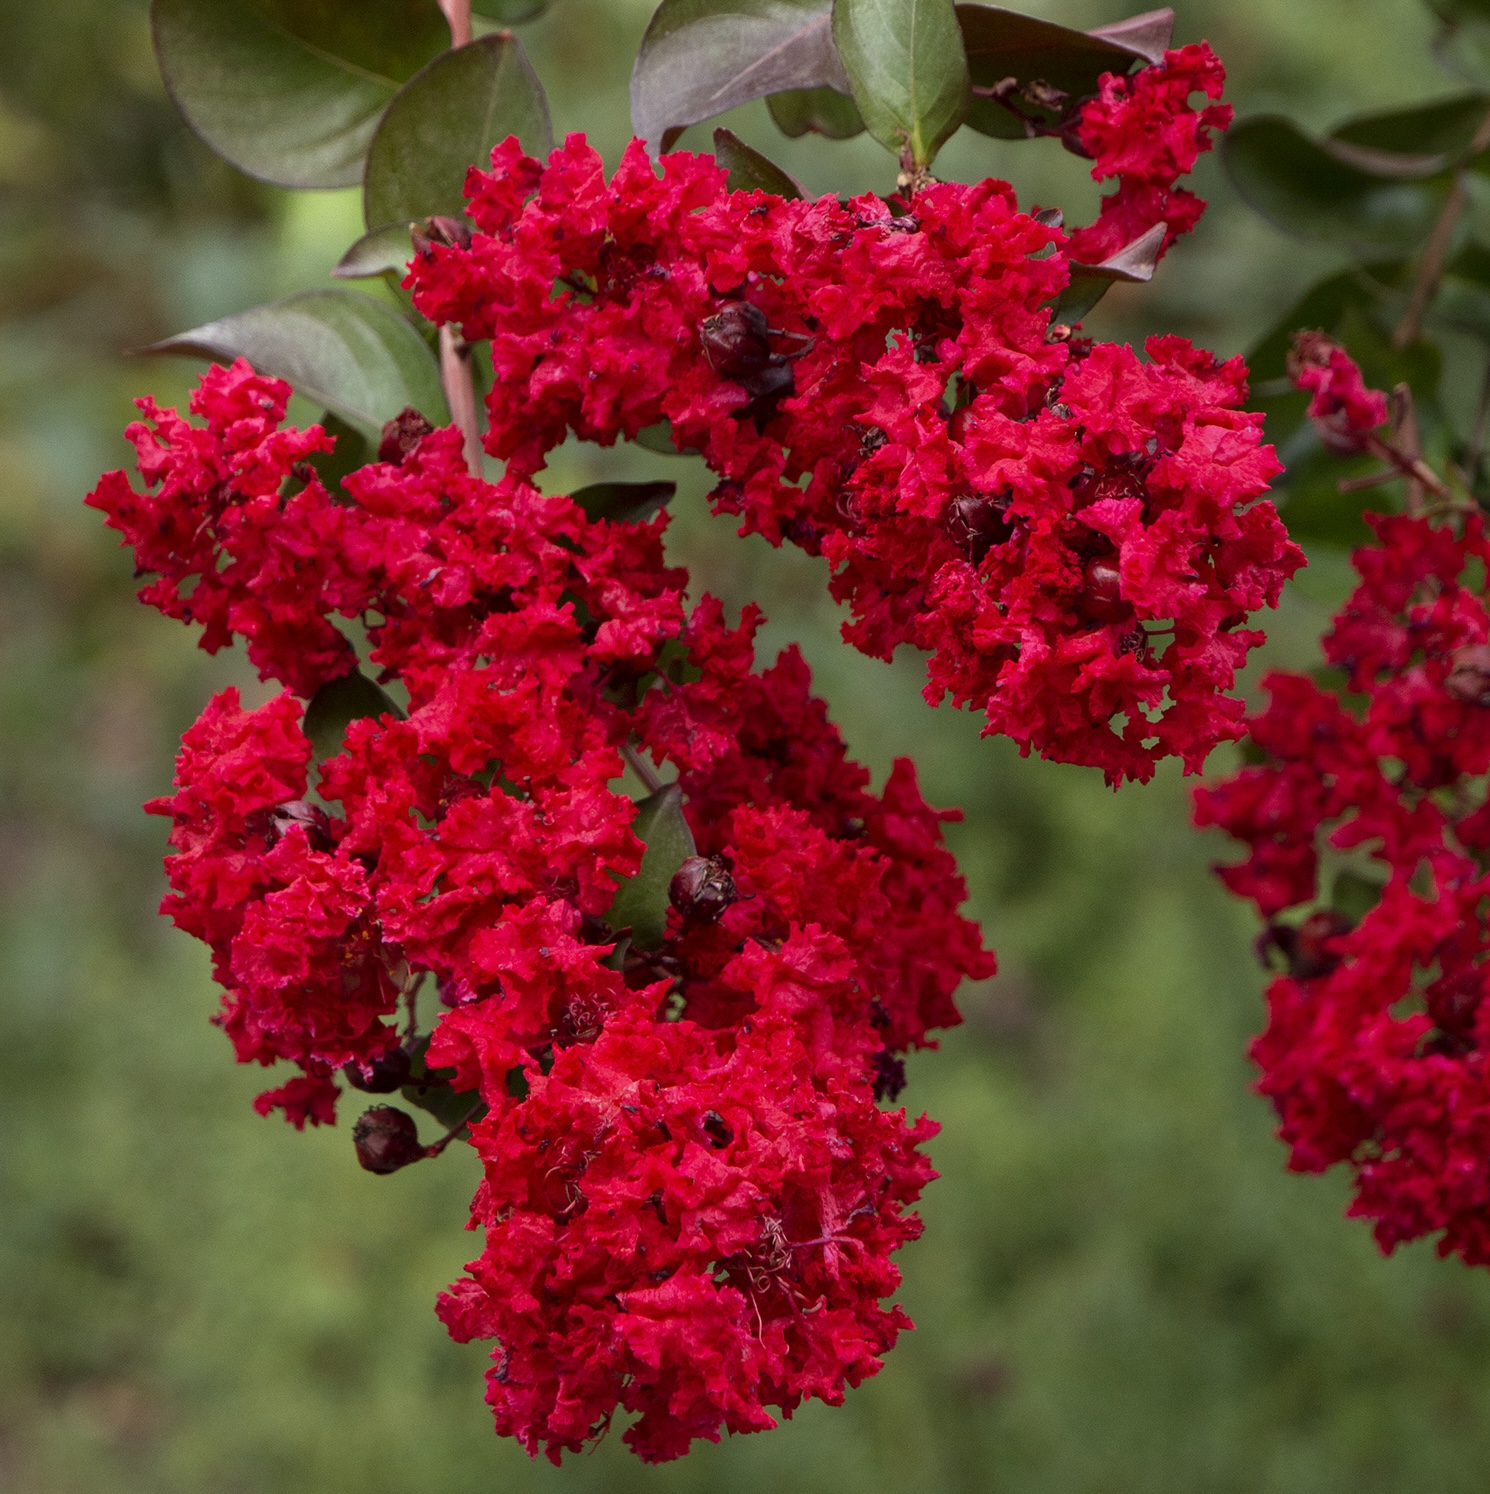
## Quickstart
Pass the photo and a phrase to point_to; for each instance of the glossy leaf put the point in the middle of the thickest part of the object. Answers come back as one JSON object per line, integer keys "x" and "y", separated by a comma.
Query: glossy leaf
{"x": 509, "y": 12}
{"x": 624, "y": 502}
{"x": 817, "y": 111}
{"x": 337, "y": 704}
{"x": 1436, "y": 135}
{"x": 1299, "y": 186}
{"x": 264, "y": 86}
{"x": 433, "y": 1093}
{"x": 907, "y": 71}
{"x": 344, "y": 350}
{"x": 447, "y": 118}
{"x": 1005, "y": 44}
{"x": 1089, "y": 283}
{"x": 353, "y": 450}
{"x": 383, "y": 251}
{"x": 642, "y": 902}
{"x": 659, "y": 439}
{"x": 749, "y": 170}
{"x": 702, "y": 57}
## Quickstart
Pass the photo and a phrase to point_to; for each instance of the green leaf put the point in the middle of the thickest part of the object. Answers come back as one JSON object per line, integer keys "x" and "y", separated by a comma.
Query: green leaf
{"x": 749, "y": 170}
{"x": 433, "y": 1093}
{"x": 624, "y": 502}
{"x": 1410, "y": 143}
{"x": 344, "y": 350}
{"x": 659, "y": 439}
{"x": 1301, "y": 187}
{"x": 702, "y": 57}
{"x": 446, "y": 118}
{"x": 337, "y": 704}
{"x": 642, "y": 902}
{"x": 1004, "y": 44}
{"x": 384, "y": 251}
{"x": 907, "y": 70}
{"x": 509, "y": 12}
{"x": 1089, "y": 283}
{"x": 820, "y": 111}
{"x": 290, "y": 91}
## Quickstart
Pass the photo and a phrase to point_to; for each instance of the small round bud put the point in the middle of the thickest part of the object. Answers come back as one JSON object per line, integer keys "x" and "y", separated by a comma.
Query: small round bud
{"x": 1306, "y": 948}
{"x": 976, "y": 524}
{"x": 1469, "y": 677}
{"x": 402, "y": 434}
{"x": 386, "y": 1139}
{"x": 1101, "y": 598}
{"x": 381, "y": 1075}
{"x": 441, "y": 229}
{"x": 735, "y": 340}
{"x": 702, "y": 889}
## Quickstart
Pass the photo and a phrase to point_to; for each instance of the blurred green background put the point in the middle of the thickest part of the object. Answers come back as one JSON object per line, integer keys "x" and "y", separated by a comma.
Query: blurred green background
{"x": 1120, "y": 1290}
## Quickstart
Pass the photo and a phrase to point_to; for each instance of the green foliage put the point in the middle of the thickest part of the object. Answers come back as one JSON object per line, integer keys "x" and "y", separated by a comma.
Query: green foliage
{"x": 346, "y": 351}
{"x": 818, "y": 111}
{"x": 291, "y": 92}
{"x": 907, "y": 71}
{"x": 337, "y": 704}
{"x": 749, "y": 170}
{"x": 624, "y": 502}
{"x": 641, "y": 904}
{"x": 447, "y": 118}
{"x": 701, "y": 57}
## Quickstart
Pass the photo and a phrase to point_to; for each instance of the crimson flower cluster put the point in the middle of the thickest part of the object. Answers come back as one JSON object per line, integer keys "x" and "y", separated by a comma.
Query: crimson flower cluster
{"x": 1069, "y": 531}
{"x": 1368, "y": 830}
{"x": 690, "y": 1194}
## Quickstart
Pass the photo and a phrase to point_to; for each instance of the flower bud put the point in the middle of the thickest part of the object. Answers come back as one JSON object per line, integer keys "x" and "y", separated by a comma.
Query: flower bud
{"x": 447, "y": 232}
{"x": 1306, "y": 948}
{"x": 1101, "y": 598}
{"x": 381, "y": 1075}
{"x": 402, "y": 434}
{"x": 735, "y": 340}
{"x": 1469, "y": 677}
{"x": 976, "y": 524}
{"x": 702, "y": 889}
{"x": 386, "y": 1139}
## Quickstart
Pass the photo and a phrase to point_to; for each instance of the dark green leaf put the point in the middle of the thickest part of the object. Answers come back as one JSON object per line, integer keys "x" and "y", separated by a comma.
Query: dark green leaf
{"x": 1302, "y": 188}
{"x": 384, "y": 251}
{"x": 659, "y": 438}
{"x": 432, "y": 1092}
{"x": 1410, "y": 143}
{"x": 337, "y": 704}
{"x": 624, "y": 502}
{"x": 820, "y": 111}
{"x": 1463, "y": 47}
{"x": 1354, "y": 895}
{"x": 1004, "y": 44}
{"x": 642, "y": 902}
{"x": 264, "y": 86}
{"x": 447, "y": 118}
{"x": 701, "y": 57}
{"x": 749, "y": 170}
{"x": 1149, "y": 34}
{"x": 352, "y": 451}
{"x": 509, "y": 12}
{"x": 1089, "y": 283}
{"x": 907, "y": 71}
{"x": 344, "y": 350}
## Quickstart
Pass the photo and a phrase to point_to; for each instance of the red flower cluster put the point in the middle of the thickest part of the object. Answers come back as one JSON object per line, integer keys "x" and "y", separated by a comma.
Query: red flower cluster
{"x": 690, "y": 1194}
{"x": 1143, "y": 131}
{"x": 1343, "y": 409}
{"x": 1377, "y": 1049}
{"x": 1068, "y": 530}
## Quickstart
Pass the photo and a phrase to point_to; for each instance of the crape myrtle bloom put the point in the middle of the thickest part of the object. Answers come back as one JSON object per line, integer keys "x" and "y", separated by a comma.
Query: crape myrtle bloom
{"x": 1070, "y": 532}
{"x": 1378, "y": 1036}
{"x": 1344, "y": 411}
{"x": 690, "y": 1192}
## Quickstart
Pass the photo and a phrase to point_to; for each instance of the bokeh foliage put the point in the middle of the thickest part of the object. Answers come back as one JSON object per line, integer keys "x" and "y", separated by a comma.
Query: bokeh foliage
{"x": 1120, "y": 1290}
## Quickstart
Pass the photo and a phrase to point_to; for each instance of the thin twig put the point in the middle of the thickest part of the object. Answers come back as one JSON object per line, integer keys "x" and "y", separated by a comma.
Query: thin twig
{"x": 458, "y": 13}
{"x": 642, "y": 768}
{"x": 411, "y": 1006}
{"x": 460, "y": 393}
{"x": 1436, "y": 251}
{"x": 436, "y": 1147}
{"x": 1360, "y": 484}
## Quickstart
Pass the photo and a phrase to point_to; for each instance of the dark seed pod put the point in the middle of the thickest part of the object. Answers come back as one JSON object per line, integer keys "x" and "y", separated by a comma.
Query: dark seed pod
{"x": 402, "y": 434}
{"x": 283, "y": 818}
{"x": 975, "y": 525}
{"x": 889, "y": 1076}
{"x": 736, "y": 340}
{"x": 1101, "y": 598}
{"x": 449, "y": 233}
{"x": 702, "y": 889}
{"x": 386, "y": 1139}
{"x": 1305, "y": 947}
{"x": 386, "y": 1073}
{"x": 717, "y": 1129}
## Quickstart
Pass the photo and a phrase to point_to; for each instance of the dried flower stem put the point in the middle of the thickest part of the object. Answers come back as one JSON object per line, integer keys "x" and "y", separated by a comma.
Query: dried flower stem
{"x": 460, "y": 393}
{"x": 458, "y": 13}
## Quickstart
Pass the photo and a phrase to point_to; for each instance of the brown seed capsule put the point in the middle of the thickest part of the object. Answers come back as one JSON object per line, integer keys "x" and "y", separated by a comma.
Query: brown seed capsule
{"x": 1469, "y": 678}
{"x": 383, "y": 1075}
{"x": 386, "y": 1139}
{"x": 402, "y": 434}
{"x": 702, "y": 889}
{"x": 736, "y": 340}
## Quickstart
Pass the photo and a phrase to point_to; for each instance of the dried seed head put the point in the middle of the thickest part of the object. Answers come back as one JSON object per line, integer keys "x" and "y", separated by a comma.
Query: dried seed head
{"x": 736, "y": 340}
{"x": 381, "y": 1075}
{"x": 702, "y": 889}
{"x": 402, "y": 434}
{"x": 386, "y": 1139}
